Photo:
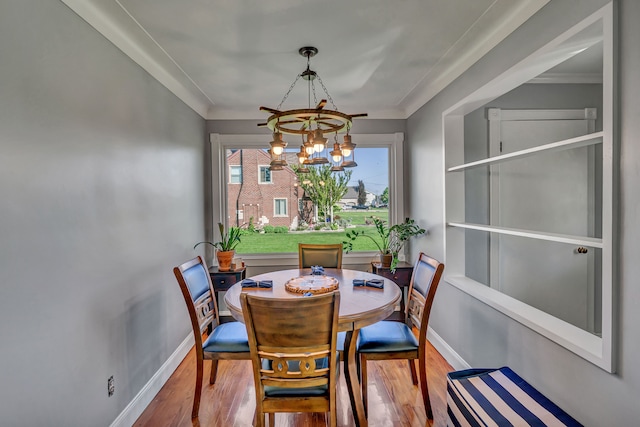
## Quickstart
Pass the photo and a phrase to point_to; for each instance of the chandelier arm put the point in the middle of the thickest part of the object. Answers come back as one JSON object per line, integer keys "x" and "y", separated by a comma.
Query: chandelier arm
{"x": 324, "y": 120}
{"x": 333, "y": 126}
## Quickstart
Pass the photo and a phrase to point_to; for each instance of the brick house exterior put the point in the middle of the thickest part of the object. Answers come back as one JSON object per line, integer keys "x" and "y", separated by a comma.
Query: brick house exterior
{"x": 274, "y": 202}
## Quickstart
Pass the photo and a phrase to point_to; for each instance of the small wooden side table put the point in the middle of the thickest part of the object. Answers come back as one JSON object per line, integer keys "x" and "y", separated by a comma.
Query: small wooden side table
{"x": 223, "y": 280}
{"x": 402, "y": 278}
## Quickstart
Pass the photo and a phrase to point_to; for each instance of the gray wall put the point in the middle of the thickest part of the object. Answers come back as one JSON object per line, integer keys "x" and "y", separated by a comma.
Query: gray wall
{"x": 476, "y": 131}
{"x": 101, "y": 184}
{"x": 481, "y": 335}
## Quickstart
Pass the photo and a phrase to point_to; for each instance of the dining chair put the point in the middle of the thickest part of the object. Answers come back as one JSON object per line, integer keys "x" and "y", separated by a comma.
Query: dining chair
{"x": 328, "y": 256}
{"x": 386, "y": 340}
{"x": 293, "y": 352}
{"x": 226, "y": 341}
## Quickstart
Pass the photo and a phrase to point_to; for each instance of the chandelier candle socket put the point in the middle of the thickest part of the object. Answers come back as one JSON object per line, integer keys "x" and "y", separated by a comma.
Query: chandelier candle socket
{"x": 312, "y": 123}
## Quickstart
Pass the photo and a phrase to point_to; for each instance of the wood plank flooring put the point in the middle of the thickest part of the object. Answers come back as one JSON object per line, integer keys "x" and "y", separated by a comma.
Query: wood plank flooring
{"x": 393, "y": 399}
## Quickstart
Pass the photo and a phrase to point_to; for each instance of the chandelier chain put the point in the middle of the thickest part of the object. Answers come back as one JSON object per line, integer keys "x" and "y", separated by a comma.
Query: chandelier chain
{"x": 327, "y": 92}
{"x": 315, "y": 98}
{"x": 286, "y": 95}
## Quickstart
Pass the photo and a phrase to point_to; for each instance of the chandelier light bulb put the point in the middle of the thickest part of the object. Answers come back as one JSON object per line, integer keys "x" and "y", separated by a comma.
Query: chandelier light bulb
{"x": 347, "y": 146}
{"x": 277, "y": 145}
{"x": 319, "y": 141}
{"x": 336, "y": 154}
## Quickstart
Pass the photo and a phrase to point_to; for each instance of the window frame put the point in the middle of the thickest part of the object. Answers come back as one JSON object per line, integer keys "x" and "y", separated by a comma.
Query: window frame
{"x": 260, "y": 181}
{"x": 220, "y": 143}
{"x": 231, "y": 167}
{"x": 275, "y": 207}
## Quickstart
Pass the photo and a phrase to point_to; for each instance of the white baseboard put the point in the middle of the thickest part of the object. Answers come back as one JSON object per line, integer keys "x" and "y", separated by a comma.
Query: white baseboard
{"x": 139, "y": 403}
{"x": 449, "y": 354}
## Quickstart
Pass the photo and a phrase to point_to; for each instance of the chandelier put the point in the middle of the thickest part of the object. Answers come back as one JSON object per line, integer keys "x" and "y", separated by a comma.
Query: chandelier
{"x": 312, "y": 124}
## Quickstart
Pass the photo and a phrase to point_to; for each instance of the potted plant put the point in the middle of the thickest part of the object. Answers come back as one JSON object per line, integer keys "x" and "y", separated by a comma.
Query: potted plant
{"x": 392, "y": 238}
{"x": 225, "y": 247}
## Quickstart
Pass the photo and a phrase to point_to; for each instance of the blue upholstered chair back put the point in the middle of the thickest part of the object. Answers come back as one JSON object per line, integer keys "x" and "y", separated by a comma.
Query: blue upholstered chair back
{"x": 197, "y": 290}
{"x": 197, "y": 280}
{"x": 424, "y": 282}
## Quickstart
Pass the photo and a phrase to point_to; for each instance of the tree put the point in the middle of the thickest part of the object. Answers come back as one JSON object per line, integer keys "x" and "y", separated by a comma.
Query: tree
{"x": 323, "y": 187}
{"x": 362, "y": 194}
{"x": 384, "y": 197}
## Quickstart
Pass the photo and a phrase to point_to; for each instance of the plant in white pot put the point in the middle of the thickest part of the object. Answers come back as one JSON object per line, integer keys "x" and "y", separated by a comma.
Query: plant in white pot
{"x": 392, "y": 239}
{"x": 225, "y": 247}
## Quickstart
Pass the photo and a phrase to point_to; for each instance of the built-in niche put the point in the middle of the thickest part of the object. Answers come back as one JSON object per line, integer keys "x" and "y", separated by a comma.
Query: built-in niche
{"x": 529, "y": 184}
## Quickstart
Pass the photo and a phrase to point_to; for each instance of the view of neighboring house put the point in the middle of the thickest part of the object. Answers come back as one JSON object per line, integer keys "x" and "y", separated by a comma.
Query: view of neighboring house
{"x": 269, "y": 197}
{"x": 351, "y": 197}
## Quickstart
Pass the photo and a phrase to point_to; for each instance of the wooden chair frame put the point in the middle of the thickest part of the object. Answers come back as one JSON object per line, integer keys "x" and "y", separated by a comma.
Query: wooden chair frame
{"x": 417, "y": 313}
{"x": 204, "y": 315}
{"x": 330, "y": 249}
{"x": 300, "y": 330}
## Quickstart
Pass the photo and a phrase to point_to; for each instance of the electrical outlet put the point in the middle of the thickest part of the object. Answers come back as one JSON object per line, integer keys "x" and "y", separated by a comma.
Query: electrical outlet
{"x": 111, "y": 388}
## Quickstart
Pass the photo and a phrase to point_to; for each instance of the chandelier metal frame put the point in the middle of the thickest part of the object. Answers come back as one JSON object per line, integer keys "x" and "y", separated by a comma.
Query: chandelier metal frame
{"x": 313, "y": 123}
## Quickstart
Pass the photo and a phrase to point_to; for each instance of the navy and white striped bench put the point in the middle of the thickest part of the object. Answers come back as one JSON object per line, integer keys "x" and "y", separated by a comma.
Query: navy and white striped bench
{"x": 499, "y": 397}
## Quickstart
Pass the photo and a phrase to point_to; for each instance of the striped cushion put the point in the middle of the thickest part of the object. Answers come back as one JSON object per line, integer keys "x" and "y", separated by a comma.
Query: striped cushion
{"x": 499, "y": 397}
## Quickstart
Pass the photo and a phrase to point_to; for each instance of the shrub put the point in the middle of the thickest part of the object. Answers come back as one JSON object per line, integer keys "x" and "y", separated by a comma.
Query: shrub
{"x": 269, "y": 229}
{"x": 281, "y": 229}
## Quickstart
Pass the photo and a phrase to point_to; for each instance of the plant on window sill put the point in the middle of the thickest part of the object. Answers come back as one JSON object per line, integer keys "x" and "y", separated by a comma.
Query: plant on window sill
{"x": 393, "y": 239}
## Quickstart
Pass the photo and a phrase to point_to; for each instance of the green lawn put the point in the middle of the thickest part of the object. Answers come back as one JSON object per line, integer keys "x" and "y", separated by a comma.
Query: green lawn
{"x": 288, "y": 242}
{"x": 358, "y": 217}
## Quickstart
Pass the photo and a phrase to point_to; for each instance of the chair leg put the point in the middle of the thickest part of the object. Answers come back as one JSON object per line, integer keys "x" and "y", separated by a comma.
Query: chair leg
{"x": 414, "y": 374}
{"x": 258, "y": 418}
{"x": 198, "y": 390}
{"x": 333, "y": 411}
{"x": 363, "y": 382}
{"x": 272, "y": 419}
{"x": 214, "y": 372}
{"x": 425, "y": 388}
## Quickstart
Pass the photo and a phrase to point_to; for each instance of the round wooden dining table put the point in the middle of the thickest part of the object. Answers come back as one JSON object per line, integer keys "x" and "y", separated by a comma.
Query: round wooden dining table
{"x": 359, "y": 307}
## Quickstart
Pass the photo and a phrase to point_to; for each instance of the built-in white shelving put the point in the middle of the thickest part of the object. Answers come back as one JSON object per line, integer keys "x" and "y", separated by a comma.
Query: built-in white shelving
{"x": 567, "y": 144}
{"x": 552, "y": 237}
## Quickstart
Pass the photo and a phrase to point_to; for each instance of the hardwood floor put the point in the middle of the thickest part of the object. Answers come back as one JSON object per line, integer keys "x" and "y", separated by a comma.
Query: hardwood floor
{"x": 393, "y": 400}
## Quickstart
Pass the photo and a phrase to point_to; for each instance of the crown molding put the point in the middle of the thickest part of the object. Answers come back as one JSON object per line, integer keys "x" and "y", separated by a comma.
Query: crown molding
{"x": 486, "y": 33}
{"x": 111, "y": 20}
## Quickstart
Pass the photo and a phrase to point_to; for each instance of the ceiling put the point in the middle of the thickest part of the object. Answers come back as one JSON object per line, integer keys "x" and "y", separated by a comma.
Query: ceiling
{"x": 226, "y": 58}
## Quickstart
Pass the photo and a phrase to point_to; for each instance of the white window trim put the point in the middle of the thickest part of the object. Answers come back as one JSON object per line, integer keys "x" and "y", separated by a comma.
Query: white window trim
{"x": 597, "y": 350}
{"x": 221, "y": 142}
{"x": 286, "y": 207}
{"x": 260, "y": 181}
{"x": 231, "y": 175}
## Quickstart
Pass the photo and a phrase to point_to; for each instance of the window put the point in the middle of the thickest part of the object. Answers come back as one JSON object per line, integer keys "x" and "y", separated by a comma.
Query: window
{"x": 280, "y": 207}
{"x": 274, "y": 211}
{"x": 529, "y": 193}
{"x": 235, "y": 174}
{"x": 265, "y": 175}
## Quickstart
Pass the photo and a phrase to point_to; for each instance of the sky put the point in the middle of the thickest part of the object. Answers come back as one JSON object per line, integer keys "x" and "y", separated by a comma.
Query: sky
{"x": 372, "y": 169}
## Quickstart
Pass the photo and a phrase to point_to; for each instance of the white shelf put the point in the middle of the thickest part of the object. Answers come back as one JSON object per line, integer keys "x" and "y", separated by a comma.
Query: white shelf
{"x": 553, "y": 237}
{"x": 567, "y": 144}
